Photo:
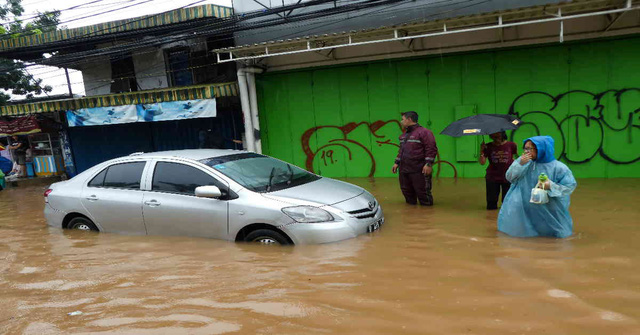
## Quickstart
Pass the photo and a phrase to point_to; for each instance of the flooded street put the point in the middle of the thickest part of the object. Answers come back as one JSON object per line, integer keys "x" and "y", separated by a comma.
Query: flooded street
{"x": 440, "y": 270}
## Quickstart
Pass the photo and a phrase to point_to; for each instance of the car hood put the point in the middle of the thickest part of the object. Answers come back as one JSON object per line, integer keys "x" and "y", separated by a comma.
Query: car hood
{"x": 321, "y": 192}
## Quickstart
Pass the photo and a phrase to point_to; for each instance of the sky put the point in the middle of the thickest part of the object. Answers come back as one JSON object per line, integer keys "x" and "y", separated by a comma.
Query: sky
{"x": 56, "y": 77}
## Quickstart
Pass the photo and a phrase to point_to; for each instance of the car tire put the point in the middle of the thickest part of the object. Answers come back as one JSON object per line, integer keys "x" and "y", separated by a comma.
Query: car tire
{"x": 82, "y": 223}
{"x": 266, "y": 236}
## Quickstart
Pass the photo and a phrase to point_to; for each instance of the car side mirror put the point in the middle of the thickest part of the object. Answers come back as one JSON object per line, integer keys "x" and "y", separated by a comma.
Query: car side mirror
{"x": 208, "y": 192}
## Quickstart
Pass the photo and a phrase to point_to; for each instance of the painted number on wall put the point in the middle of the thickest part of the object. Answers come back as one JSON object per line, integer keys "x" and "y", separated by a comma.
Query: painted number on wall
{"x": 328, "y": 155}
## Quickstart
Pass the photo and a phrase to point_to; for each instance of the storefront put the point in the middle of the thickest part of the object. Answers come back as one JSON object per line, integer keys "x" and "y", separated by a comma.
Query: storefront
{"x": 87, "y": 131}
{"x": 41, "y": 134}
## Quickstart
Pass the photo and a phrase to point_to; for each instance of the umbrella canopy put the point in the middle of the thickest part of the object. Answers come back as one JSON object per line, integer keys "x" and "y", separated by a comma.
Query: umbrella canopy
{"x": 482, "y": 124}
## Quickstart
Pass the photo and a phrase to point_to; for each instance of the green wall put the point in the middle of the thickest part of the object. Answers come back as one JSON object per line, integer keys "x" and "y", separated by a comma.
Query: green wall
{"x": 343, "y": 121}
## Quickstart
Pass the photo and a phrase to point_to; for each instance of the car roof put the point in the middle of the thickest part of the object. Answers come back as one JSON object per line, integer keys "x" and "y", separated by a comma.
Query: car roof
{"x": 195, "y": 154}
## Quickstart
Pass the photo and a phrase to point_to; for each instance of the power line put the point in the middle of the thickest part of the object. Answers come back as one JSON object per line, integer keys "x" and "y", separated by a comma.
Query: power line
{"x": 224, "y": 28}
{"x": 233, "y": 19}
{"x": 111, "y": 5}
{"x": 61, "y": 10}
{"x": 127, "y": 21}
{"x": 156, "y": 74}
{"x": 227, "y": 38}
{"x": 288, "y": 28}
{"x": 379, "y": 11}
{"x": 33, "y": 3}
{"x": 383, "y": 11}
{"x": 338, "y": 20}
{"x": 83, "y": 17}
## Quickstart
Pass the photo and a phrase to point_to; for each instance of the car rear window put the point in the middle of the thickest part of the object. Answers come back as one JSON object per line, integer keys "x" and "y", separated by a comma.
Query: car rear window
{"x": 125, "y": 175}
{"x": 98, "y": 180}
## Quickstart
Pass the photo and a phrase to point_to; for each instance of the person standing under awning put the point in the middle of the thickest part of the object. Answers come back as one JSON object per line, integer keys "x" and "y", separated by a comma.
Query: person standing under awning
{"x": 19, "y": 145}
{"x": 417, "y": 153}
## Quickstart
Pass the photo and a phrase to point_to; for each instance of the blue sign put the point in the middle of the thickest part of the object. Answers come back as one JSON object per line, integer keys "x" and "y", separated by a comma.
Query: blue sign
{"x": 162, "y": 111}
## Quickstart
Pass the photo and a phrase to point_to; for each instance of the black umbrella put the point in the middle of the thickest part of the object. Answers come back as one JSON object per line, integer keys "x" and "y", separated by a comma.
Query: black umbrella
{"x": 482, "y": 124}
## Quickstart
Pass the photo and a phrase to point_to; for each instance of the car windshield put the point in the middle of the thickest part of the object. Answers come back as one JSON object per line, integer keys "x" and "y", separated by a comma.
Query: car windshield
{"x": 260, "y": 173}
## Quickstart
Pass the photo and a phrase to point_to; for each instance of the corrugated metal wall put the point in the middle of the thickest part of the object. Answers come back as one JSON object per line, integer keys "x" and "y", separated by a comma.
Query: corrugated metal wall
{"x": 342, "y": 121}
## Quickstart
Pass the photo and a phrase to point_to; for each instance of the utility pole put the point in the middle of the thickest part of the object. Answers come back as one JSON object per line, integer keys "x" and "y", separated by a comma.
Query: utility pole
{"x": 66, "y": 72}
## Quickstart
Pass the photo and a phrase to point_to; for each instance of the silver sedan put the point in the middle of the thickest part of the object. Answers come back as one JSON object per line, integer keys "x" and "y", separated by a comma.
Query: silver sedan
{"x": 224, "y": 194}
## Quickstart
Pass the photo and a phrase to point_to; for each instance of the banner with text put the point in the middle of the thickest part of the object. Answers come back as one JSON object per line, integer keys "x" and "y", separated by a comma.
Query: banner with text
{"x": 19, "y": 126}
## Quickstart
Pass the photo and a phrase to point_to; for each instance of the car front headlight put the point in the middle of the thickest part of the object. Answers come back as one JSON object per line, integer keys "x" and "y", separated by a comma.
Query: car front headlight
{"x": 308, "y": 214}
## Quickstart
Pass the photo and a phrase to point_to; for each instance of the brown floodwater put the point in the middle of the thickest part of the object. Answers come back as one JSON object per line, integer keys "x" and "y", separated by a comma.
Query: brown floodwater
{"x": 440, "y": 270}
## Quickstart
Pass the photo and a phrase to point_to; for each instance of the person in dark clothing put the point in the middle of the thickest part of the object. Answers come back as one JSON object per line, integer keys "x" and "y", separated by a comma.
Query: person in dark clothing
{"x": 500, "y": 154}
{"x": 19, "y": 146}
{"x": 417, "y": 153}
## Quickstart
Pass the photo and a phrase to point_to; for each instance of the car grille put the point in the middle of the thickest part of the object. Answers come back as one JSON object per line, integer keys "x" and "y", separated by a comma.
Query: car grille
{"x": 365, "y": 213}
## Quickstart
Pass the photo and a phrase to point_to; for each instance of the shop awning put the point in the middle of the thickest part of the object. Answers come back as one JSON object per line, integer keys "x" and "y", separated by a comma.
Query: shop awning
{"x": 142, "y": 97}
{"x": 150, "y": 21}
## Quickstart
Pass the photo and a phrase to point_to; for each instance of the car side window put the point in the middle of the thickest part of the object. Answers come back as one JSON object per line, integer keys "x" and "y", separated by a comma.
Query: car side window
{"x": 180, "y": 178}
{"x": 98, "y": 180}
{"x": 125, "y": 175}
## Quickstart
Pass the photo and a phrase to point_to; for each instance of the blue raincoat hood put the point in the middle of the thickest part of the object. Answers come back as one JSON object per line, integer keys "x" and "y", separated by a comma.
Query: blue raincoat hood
{"x": 544, "y": 144}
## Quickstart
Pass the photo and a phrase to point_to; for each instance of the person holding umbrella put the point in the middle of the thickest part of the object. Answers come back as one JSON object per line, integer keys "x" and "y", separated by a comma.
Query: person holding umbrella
{"x": 500, "y": 154}
{"x": 417, "y": 153}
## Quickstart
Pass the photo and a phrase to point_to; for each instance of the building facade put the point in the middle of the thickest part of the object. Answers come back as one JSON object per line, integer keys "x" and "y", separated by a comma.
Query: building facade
{"x": 331, "y": 102}
{"x": 150, "y": 85}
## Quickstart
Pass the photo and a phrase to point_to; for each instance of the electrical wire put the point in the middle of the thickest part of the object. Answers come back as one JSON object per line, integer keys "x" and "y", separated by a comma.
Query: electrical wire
{"x": 205, "y": 30}
{"x": 3, "y": 36}
{"x": 315, "y": 27}
{"x": 312, "y": 27}
{"x": 341, "y": 20}
{"x": 108, "y": 6}
{"x": 381, "y": 10}
{"x": 163, "y": 73}
{"x": 60, "y": 10}
{"x": 67, "y": 56}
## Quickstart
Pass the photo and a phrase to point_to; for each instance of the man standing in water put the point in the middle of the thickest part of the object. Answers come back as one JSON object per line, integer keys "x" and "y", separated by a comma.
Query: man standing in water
{"x": 417, "y": 153}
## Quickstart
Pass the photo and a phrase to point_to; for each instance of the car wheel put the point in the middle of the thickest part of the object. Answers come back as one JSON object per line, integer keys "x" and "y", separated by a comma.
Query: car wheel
{"x": 82, "y": 223}
{"x": 266, "y": 236}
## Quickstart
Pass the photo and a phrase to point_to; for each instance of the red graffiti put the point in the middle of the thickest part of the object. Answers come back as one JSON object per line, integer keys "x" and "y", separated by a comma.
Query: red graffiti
{"x": 327, "y": 156}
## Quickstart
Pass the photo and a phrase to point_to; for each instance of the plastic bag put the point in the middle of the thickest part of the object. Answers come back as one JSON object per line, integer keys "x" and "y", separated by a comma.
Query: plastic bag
{"x": 538, "y": 195}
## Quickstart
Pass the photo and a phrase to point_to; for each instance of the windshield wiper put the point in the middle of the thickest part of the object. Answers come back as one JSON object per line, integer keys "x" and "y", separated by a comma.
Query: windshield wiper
{"x": 291, "y": 174}
{"x": 273, "y": 170}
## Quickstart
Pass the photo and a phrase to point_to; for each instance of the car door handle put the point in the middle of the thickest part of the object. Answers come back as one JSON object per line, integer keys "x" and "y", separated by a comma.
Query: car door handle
{"x": 92, "y": 198}
{"x": 152, "y": 203}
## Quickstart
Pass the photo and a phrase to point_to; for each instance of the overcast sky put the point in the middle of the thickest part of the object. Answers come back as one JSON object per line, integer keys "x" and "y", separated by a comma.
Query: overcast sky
{"x": 55, "y": 77}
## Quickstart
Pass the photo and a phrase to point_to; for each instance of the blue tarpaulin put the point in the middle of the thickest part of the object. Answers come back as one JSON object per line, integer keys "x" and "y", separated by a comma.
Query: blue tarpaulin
{"x": 161, "y": 111}
{"x": 93, "y": 145}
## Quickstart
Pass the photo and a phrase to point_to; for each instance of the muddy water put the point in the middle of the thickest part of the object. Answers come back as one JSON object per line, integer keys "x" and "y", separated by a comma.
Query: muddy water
{"x": 440, "y": 270}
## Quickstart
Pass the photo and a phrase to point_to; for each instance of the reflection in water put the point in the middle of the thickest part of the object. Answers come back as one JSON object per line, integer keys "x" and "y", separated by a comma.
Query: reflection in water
{"x": 440, "y": 270}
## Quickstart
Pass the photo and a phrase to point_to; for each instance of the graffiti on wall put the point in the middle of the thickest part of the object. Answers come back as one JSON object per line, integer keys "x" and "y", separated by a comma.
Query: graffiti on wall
{"x": 584, "y": 124}
{"x": 323, "y": 145}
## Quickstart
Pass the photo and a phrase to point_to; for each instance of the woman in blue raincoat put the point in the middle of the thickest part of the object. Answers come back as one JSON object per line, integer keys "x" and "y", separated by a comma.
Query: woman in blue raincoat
{"x": 518, "y": 217}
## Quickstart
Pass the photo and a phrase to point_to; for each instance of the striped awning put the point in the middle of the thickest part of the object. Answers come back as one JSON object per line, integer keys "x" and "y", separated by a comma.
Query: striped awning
{"x": 142, "y": 97}
{"x": 166, "y": 18}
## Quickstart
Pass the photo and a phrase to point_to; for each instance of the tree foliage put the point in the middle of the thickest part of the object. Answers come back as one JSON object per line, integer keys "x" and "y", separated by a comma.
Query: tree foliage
{"x": 15, "y": 78}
